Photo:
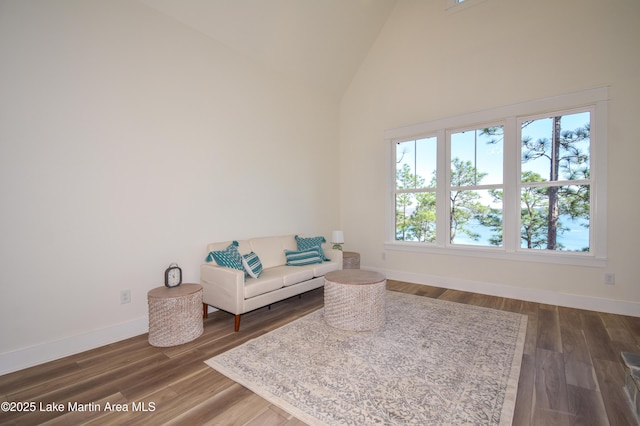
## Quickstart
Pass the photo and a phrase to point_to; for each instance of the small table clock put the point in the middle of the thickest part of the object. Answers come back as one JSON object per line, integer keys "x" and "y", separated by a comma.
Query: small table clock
{"x": 173, "y": 276}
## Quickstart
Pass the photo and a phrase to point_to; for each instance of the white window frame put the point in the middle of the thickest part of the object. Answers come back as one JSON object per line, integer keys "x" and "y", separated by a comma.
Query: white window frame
{"x": 448, "y": 185}
{"x": 594, "y": 100}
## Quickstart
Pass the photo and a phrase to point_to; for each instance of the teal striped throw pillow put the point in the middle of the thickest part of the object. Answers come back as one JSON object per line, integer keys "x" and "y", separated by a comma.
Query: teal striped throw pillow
{"x": 252, "y": 264}
{"x": 229, "y": 257}
{"x": 302, "y": 257}
{"x": 312, "y": 243}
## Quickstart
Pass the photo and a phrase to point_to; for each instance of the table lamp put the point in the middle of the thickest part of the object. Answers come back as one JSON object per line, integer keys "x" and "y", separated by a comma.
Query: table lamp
{"x": 337, "y": 238}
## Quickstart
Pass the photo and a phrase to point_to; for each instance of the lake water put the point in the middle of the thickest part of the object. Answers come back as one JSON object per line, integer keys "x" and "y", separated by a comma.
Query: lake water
{"x": 574, "y": 239}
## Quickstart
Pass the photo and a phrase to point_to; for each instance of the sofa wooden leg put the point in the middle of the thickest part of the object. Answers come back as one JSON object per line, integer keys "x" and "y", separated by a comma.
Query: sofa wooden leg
{"x": 237, "y": 324}
{"x": 205, "y": 310}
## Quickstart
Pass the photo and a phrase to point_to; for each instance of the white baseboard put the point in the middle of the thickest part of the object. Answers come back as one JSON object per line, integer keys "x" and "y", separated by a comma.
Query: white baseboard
{"x": 620, "y": 307}
{"x": 49, "y": 351}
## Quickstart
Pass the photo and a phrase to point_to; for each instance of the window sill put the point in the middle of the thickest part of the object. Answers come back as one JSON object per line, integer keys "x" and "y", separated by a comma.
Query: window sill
{"x": 558, "y": 258}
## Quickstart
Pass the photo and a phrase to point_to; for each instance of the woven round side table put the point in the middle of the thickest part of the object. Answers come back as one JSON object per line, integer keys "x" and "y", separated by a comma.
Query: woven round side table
{"x": 350, "y": 260}
{"x": 354, "y": 299}
{"x": 175, "y": 315}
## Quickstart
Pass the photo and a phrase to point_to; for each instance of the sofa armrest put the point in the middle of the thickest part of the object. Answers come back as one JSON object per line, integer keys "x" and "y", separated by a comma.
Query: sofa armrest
{"x": 334, "y": 255}
{"x": 222, "y": 287}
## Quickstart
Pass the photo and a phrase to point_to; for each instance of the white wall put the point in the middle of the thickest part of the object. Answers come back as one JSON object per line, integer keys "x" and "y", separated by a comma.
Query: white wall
{"x": 429, "y": 64}
{"x": 127, "y": 142}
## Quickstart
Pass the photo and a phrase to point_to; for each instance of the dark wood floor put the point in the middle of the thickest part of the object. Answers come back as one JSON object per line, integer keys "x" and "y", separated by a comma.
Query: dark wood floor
{"x": 571, "y": 373}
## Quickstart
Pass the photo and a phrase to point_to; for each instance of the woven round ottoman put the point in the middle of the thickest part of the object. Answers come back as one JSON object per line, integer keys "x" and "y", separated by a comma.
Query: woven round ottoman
{"x": 354, "y": 299}
{"x": 175, "y": 315}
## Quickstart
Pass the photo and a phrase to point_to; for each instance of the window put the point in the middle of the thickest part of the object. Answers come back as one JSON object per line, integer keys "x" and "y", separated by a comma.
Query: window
{"x": 555, "y": 182}
{"x": 520, "y": 182}
{"x": 474, "y": 180}
{"x": 415, "y": 196}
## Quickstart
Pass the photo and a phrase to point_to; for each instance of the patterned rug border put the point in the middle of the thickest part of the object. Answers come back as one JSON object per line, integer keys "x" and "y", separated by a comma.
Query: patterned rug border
{"x": 270, "y": 397}
{"x": 508, "y": 406}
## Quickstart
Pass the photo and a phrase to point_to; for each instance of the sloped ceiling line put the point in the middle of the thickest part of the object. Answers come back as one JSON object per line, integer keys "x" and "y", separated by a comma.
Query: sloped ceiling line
{"x": 318, "y": 42}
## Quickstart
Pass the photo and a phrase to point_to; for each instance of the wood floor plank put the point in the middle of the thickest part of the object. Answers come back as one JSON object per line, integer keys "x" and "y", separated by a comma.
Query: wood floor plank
{"x": 88, "y": 388}
{"x": 571, "y": 371}
{"x": 511, "y": 305}
{"x": 22, "y": 380}
{"x": 598, "y": 340}
{"x": 485, "y": 301}
{"x": 456, "y": 296}
{"x": 619, "y": 332}
{"x": 586, "y": 406}
{"x": 138, "y": 385}
{"x": 610, "y": 376}
{"x": 526, "y": 385}
{"x": 243, "y": 409}
{"x": 633, "y": 325}
{"x": 581, "y": 374}
{"x": 550, "y": 394}
{"x": 549, "y": 337}
{"x": 417, "y": 290}
{"x": 574, "y": 345}
{"x": 272, "y": 417}
{"x": 530, "y": 309}
{"x": 290, "y": 420}
{"x": 579, "y": 369}
{"x": 547, "y": 417}
{"x": 219, "y": 408}
{"x": 47, "y": 386}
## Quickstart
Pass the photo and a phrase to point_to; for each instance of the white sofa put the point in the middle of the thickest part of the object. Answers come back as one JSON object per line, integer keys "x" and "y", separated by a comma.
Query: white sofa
{"x": 234, "y": 291}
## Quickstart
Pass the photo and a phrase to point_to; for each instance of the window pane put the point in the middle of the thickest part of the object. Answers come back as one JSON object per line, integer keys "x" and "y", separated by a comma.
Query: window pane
{"x": 476, "y": 217}
{"x": 476, "y": 157}
{"x": 416, "y": 163}
{"x": 570, "y": 160}
{"x": 555, "y": 218}
{"x": 416, "y": 217}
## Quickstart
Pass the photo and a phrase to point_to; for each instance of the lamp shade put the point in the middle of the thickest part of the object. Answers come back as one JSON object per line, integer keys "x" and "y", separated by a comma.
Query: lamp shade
{"x": 337, "y": 237}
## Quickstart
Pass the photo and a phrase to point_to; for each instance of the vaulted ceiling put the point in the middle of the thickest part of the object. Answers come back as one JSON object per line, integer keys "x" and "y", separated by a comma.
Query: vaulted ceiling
{"x": 319, "y": 42}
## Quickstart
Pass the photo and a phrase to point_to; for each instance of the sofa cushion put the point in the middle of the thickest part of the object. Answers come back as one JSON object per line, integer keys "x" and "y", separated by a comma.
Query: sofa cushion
{"x": 313, "y": 242}
{"x": 252, "y": 264}
{"x": 302, "y": 257}
{"x": 294, "y": 274}
{"x": 320, "y": 270}
{"x": 229, "y": 257}
{"x": 269, "y": 280}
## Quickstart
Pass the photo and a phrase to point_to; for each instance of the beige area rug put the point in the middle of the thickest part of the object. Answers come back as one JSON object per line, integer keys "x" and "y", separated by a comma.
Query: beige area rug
{"x": 434, "y": 363}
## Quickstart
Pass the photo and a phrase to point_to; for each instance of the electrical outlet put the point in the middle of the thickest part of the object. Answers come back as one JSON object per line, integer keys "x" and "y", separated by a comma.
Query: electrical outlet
{"x": 609, "y": 278}
{"x": 383, "y": 255}
{"x": 125, "y": 297}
